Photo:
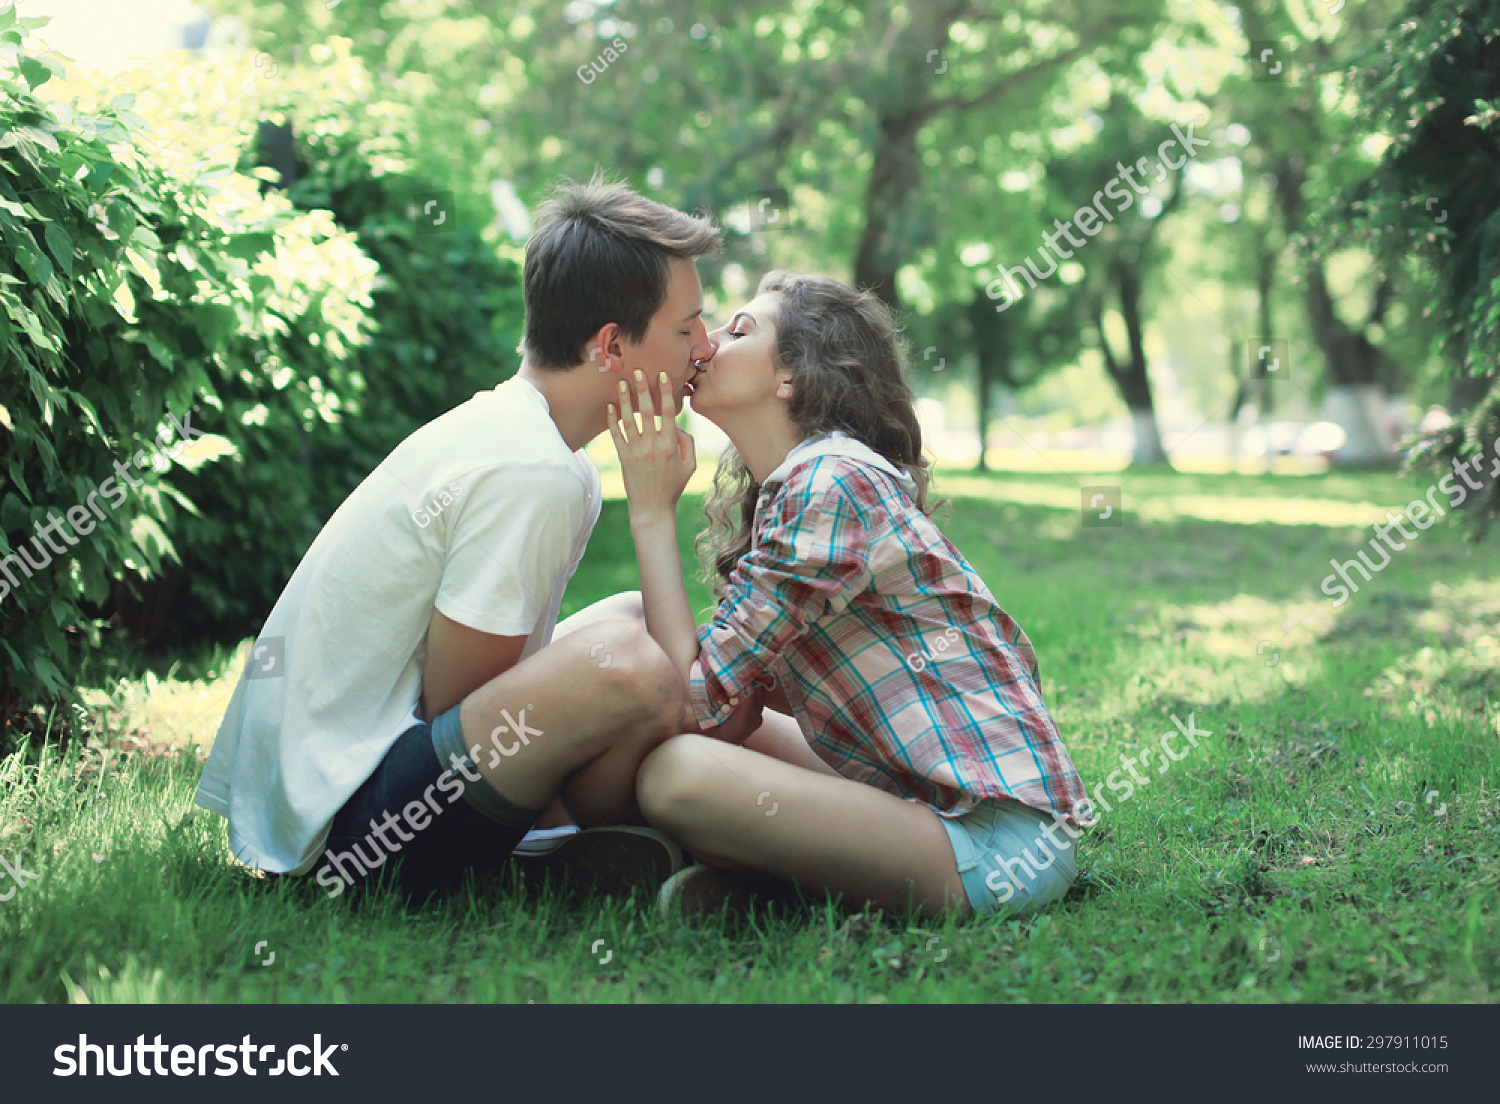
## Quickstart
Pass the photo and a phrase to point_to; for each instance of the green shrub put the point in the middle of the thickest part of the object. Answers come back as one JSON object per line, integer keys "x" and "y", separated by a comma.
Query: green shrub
{"x": 445, "y": 320}
{"x": 132, "y": 296}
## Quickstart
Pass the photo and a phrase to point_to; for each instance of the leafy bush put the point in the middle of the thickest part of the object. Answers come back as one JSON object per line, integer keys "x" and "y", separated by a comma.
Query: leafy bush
{"x": 129, "y": 302}
{"x": 445, "y": 320}
{"x": 447, "y": 311}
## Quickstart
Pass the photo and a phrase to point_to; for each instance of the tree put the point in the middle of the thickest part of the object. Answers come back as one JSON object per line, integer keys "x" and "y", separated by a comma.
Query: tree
{"x": 1434, "y": 85}
{"x": 1306, "y": 137}
{"x": 1117, "y": 263}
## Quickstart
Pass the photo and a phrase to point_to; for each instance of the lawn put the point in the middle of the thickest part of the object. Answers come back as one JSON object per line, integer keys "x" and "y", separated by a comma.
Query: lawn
{"x": 1335, "y": 838}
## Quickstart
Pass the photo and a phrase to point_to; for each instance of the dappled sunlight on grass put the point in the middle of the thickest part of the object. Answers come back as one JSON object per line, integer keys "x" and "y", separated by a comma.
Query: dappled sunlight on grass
{"x": 1454, "y": 682}
{"x": 1236, "y": 510}
{"x": 169, "y": 712}
{"x": 1243, "y": 625}
{"x": 1258, "y": 511}
{"x": 1162, "y": 496}
{"x": 1095, "y": 460}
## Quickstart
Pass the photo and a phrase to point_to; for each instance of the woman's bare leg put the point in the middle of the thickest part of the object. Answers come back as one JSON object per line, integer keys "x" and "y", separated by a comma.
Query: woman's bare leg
{"x": 822, "y": 831}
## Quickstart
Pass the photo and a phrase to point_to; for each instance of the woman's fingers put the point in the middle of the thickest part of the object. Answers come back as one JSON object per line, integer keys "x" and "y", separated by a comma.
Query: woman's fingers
{"x": 627, "y": 414}
{"x": 669, "y": 404}
{"x": 645, "y": 403}
{"x": 616, "y": 430}
{"x": 664, "y": 438}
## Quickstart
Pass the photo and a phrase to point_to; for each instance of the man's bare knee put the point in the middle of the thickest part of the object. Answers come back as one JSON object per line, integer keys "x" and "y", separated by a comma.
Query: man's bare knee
{"x": 614, "y": 611}
{"x": 645, "y": 679}
{"x": 631, "y": 606}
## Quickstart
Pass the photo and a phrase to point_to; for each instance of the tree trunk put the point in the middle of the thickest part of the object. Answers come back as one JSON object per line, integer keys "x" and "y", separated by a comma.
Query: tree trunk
{"x": 1236, "y": 437}
{"x": 995, "y": 344}
{"x": 1355, "y": 398}
{"x": 1359, "y": 409}
{"x": 1131, "y": 377}
{"x": 1254, "y": 382}
{"x": 894, "y": 178}
{"x": 1265, "y": 277}
{"x": 1465, "y": 392}
{"x": 896, "y": 174}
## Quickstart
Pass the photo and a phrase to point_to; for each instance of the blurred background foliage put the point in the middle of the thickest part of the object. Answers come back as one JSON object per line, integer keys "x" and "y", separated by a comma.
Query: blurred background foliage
{"x": 918, "y": 146}
{"x": 276, "y": 260}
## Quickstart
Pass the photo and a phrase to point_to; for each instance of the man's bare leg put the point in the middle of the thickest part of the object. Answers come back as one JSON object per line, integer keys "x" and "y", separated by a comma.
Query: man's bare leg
{"x": 556, "y": 712}
{"x": 626, "y": 606}
{"x": 778, "y": 735}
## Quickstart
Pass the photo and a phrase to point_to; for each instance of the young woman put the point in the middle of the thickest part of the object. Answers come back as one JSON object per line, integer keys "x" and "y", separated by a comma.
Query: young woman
{"x": 935, "y": 776}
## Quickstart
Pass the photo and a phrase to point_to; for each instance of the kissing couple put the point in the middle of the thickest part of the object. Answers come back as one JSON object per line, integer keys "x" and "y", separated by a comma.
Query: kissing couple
{"x": 858, "y": 718}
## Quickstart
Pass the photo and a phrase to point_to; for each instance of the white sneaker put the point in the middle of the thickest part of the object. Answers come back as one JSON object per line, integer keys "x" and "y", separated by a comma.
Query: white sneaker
{"x": 539, "y": 841}
{"x": 613, "y": 861}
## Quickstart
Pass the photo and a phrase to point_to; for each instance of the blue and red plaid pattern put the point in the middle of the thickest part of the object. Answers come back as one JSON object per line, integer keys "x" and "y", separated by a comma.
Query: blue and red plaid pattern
{"x": 898, "y": 663}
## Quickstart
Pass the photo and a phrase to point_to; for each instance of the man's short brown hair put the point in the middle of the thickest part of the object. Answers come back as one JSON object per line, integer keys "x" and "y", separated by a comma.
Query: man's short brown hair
{"x": 599, "y": 255}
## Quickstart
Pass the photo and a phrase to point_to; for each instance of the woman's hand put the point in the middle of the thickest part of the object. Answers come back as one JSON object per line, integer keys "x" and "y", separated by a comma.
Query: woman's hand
{"x": 656, "y": 460}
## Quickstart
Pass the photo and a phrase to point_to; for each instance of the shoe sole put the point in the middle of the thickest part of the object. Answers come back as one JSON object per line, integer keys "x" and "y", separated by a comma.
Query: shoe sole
{"x": 544, "y": 842}
{"x": 610, "y": 861}
{"x": 701, "y": 891}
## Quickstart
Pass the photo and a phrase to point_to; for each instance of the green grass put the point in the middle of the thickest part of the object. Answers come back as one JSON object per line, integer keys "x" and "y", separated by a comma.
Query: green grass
{"x": 1337, "y": 838}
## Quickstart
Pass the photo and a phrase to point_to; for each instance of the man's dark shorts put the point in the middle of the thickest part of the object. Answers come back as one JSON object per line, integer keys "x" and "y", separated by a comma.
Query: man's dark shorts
{"x": 419, "y": 821}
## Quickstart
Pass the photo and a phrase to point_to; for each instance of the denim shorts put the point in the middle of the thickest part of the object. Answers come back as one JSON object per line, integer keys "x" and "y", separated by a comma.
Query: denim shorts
{"x": 413, "y": 786}
{"x": 1007, "y": 863}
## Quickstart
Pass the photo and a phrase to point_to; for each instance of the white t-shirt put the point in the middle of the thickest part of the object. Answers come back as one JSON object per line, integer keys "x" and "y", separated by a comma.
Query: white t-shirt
{"x": 483, "y": 513}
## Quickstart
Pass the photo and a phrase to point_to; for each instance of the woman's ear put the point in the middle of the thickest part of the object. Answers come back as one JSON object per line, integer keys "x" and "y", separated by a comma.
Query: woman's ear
{"x": 784, "y": 389}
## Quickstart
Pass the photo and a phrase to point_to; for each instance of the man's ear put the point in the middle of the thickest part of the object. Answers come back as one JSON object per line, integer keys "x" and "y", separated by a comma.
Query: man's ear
{"x": 604, "y": 348}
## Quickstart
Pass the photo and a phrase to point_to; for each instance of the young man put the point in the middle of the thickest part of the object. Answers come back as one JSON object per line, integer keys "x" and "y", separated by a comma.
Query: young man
{"x": 406, "y": 701}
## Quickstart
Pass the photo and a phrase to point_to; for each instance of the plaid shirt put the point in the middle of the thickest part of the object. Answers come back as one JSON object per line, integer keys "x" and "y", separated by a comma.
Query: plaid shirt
{"x": 901, "y": 669}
